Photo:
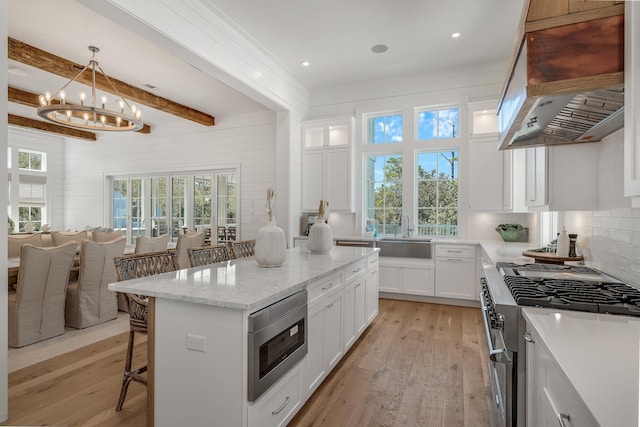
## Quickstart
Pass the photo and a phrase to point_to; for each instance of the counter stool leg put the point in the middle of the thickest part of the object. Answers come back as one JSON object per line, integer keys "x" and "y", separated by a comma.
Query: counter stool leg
{"x": 126, "y": 378}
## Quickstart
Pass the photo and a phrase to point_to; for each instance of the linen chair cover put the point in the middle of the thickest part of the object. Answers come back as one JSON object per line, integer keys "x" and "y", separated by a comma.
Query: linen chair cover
{"x": 244, "y": 248}
{"x": 106, "y": 236}
{"x": 88, "y": 300}
{"x": 16, "y": 242}
{"x": 209, "y": 255}
{"x": 132, "y": 267}
{"x": 145, "y": 245}
{"x": 36, "y": 309}
{"x": 62, "y": 237}
{"x": 186, "y": 242}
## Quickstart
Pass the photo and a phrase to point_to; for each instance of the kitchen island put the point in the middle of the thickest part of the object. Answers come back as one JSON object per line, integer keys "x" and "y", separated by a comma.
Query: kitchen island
{"x": 198, "y": 346}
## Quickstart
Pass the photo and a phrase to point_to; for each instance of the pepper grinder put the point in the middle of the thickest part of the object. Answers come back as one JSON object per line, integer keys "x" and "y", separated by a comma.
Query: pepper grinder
{"x": 573, "y": 238}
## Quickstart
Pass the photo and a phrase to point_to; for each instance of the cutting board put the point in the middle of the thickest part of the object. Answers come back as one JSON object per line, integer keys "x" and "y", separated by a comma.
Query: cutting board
{"x": 549, "y": 258}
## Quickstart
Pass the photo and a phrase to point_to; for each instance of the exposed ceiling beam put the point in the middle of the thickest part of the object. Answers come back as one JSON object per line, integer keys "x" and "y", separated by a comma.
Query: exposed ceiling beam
{"x": 31, "y": 99}
{"x": 26, "y": 122}
{"x": 38, "y": 58}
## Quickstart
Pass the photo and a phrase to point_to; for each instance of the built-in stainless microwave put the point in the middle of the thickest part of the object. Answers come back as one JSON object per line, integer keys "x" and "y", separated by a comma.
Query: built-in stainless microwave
{"x": 277, "y": 341}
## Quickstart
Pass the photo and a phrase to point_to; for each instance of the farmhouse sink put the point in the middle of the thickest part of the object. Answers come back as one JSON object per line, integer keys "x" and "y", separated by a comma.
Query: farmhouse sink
{"x": 405, "y": 247}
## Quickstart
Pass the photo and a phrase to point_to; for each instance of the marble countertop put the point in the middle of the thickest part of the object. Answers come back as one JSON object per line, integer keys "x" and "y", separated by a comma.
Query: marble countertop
{"x": 599, "y": 355}
{"x": 242, "y": 283}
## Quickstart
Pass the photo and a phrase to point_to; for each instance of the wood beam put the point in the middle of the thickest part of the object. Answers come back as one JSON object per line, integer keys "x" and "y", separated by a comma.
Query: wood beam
{"x": 26, "y": 122}
{"x": 38, "y": 58}
{"x": 31, "y": 99}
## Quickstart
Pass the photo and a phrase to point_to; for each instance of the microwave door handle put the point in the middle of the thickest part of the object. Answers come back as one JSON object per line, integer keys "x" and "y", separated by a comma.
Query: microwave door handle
{"x": 493, "y": 352}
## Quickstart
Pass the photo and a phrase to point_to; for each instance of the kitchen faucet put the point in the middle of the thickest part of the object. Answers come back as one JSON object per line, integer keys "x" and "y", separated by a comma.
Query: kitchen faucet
{"x": 408, "y": 228}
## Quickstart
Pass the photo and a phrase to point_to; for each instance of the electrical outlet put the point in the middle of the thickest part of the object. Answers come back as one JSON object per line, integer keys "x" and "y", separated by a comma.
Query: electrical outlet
{"x": 197, "y": 343}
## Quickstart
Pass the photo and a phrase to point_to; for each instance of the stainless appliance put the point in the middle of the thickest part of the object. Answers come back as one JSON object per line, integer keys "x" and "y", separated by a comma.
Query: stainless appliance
{"x": 547, "y": 101}
{"x": 506, "y": 288}
{"x": 277, "y": 341}
{"x": 356, "y": 243}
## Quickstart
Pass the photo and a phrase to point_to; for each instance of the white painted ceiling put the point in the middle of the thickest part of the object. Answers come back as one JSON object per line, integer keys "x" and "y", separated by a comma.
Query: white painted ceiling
{"x": 335, "y": 36}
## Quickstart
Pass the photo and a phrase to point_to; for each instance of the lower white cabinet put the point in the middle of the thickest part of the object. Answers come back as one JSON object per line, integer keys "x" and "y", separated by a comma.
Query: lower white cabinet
{"x": 371, "y": 289}
{"x": 406, "y": 275}
{"x": 325, "y": 344}
{"x": 354, "y": 320}
{"x": 278, "y": 405}
{"x": 456, "y": 271}
{"x": 551, "y": 400}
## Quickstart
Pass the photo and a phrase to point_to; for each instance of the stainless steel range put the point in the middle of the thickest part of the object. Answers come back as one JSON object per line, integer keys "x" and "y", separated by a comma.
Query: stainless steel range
{"x": 506, "y": 288}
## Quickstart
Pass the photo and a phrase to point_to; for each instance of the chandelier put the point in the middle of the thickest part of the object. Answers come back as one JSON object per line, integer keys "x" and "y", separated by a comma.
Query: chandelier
{"x": 90, "y": 115}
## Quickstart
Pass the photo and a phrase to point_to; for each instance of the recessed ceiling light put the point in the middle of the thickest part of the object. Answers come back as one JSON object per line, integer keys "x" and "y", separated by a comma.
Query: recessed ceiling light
{"x": 380, "y": 48}
{"x": 305, "y": 63}
{"x": 455, "y": 35}
{"x": 17, "y": 71}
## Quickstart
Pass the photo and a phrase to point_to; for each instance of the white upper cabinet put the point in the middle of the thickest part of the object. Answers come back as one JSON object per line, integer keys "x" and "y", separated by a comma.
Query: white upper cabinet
{"x": 327, "y": 133}
{"x": 495, "y": 183}
{"x": 632, "y": 101}
{"x": 562, "y": 177}
{"x": 327, "y": 164}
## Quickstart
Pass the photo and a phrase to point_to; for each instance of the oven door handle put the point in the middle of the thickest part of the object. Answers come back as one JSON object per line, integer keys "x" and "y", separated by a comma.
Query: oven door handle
{"x": 493, "y": 352}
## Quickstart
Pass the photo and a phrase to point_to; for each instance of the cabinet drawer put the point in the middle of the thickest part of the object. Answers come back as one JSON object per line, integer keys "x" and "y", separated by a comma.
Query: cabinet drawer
{"x": 354, "y": 269}
{"x": 278, "y": 405}
{"x": 466, "y": 251}
{"x": 323, "y": 286}
{"x": 372, "y": 261}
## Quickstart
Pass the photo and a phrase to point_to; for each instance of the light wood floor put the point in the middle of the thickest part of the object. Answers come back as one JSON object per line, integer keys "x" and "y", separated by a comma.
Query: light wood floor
{"x": 79, "y": 388}
{"x": 417, "y": 365}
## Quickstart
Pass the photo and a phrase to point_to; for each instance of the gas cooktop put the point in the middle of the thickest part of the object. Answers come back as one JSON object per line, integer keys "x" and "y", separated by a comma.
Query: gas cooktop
{"x": 569, "y": 287}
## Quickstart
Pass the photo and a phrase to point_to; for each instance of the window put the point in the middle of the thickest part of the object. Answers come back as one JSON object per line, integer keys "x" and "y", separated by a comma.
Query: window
{"x": 138, "y": 211}
{"x": 384, "y": 129}
{"x": 155, "y": 205}
{"x": 31, "y": 160}
{"x": 227, "y": 200}
{"x": 437, "y": 193}
{"x": 384, "y": 192}
{"x": 435, "y": 124}
{"x": 202, "y": 200}
{"x": 31, "y": 200}
{"x": 158, "y": 206}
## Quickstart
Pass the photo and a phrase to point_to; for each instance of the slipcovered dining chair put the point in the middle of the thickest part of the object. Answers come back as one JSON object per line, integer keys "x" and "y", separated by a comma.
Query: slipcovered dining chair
{"x": 132, "y": 267}
{"x": 186, "y": 242}
{"x": 244, "y": 248}
{"x": 145, "y": 245}
{"x": 16, "y": 242}
{"x": 88, "y": 300}
{"x": 209, "y": 255}
{"x": 106, "y": 236}
{"x": 61, "y": 237}
{"x": 36, "y": 308}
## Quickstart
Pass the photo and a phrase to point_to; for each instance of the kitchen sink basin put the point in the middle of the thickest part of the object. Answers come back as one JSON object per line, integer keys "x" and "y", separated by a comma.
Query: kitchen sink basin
{"x": 405, "y": 247}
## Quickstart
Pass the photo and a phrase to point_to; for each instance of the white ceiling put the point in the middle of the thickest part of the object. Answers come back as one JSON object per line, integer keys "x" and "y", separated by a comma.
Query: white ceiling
{"x": 335, "y": 36}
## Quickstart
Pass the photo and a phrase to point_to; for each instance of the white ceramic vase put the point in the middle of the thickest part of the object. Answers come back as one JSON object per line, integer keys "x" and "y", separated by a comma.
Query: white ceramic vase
{"x": 271, "y": 245}
{"x": 28, "y": 227}
{"x": 320, "y": 238}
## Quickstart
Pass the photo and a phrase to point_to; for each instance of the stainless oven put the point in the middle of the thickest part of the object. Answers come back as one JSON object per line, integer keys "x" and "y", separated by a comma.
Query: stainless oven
{"x": 277, "y": 341}
{"x": 502, "y": 364}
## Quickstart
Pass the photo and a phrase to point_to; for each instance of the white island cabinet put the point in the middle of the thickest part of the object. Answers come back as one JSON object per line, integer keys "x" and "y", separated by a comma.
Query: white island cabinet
{"x": 211, "y": 305}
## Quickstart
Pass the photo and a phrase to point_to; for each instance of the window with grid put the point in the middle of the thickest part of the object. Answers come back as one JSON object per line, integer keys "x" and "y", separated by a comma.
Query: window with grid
{"x": 383, "y": 129}
{"x": 384, "y": 192}
{"x": 437, "y": 185}
{"x": 32, "y": 160}
{"x": 436, "y": 123}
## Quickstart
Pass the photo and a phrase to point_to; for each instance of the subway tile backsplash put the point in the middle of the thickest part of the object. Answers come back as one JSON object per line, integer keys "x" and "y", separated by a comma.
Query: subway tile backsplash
{"x": 610, "y": 240}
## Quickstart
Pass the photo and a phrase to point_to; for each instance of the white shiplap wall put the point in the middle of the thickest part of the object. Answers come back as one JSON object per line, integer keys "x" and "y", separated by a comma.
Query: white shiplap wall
{"x": 246, "y": 141}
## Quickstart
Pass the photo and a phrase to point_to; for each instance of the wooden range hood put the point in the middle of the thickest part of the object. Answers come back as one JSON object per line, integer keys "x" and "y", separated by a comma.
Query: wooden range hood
{"x": 565, "y": 83}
